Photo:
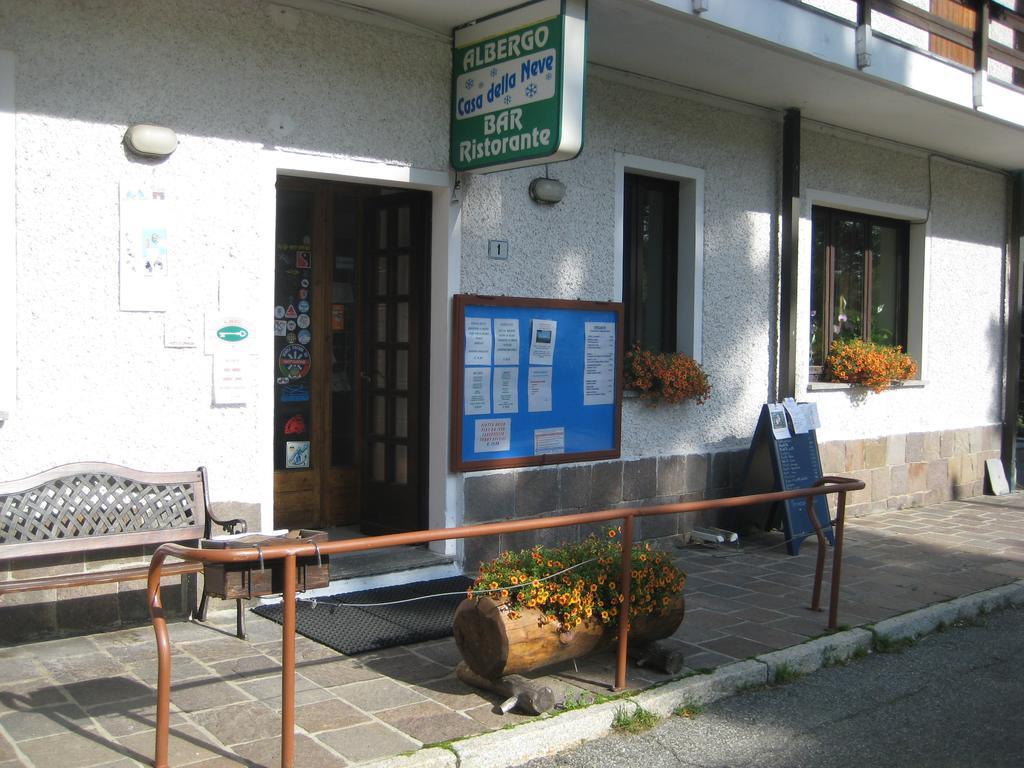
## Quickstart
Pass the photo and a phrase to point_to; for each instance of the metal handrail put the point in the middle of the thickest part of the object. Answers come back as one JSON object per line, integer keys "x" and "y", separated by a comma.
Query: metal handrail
{"x": 289, "y": 552}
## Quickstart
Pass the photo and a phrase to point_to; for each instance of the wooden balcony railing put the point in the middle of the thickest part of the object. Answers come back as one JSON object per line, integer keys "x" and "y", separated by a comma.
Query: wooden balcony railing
{"x": 961, "y": 30}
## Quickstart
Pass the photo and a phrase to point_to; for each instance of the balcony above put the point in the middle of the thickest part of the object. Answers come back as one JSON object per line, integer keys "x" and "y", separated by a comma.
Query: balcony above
{"x": 925, "y": 79}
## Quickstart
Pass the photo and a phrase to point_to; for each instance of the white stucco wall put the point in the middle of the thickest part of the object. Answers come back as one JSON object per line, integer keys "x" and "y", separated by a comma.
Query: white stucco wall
{"x": 965, "y": 221}
{"x": 95, "y": 383}
{"x": 235, "y": 81}
{"x": 736, "y": 150}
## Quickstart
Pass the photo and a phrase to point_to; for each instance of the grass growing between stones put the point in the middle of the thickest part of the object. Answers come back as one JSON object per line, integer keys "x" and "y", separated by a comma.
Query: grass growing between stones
{"x": 882, "y": 644}
{"x": 688, "y": 712}
{"x": 833, "y": 660}
{"x": 785, "y": 674}
{"x": 636, "y": 721}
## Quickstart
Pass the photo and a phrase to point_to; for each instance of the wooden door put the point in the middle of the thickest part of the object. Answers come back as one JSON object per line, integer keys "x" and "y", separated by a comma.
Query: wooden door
{"x": 396, "y": 301}
{"x": 316, "y": 476}
{"x": 351, "y": 323}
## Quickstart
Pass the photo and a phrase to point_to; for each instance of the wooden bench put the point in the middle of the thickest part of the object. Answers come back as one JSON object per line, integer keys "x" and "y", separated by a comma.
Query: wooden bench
{"x": 95, "y": 508}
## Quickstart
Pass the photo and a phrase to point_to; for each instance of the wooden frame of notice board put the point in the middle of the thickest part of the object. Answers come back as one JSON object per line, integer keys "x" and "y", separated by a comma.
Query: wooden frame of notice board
{"x": 534, "y": 381}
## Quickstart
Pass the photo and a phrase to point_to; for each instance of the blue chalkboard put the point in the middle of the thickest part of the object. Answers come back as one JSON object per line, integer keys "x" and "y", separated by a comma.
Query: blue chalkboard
{"x": 563, "y": 406}
{"x": 784, "y": 465}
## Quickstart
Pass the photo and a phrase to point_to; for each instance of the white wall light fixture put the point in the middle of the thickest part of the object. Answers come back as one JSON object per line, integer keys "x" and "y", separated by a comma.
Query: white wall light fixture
{"x": 547, "y": 191}
{"x": 700, "y": 6}
{"x": 150, "y": 140}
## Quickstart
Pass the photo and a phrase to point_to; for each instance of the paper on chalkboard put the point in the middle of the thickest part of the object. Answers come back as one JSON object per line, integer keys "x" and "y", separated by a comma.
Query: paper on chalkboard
{"x": 780, "y": 427}
{"x": 803, "y": 415}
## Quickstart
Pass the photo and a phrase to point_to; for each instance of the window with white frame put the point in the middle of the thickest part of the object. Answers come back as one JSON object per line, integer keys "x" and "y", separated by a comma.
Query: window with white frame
{"x": 659, "y": 251}
{"x": 839, "y": 235}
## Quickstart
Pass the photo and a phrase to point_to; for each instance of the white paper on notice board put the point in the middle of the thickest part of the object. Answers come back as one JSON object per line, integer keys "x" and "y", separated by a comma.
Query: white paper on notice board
{"x": 478, "y": 341}
{"x": 598, "y": 363}
{"x": 542, "y": 341}
{"x": 477, "y": 390}
{"x": 492, "y": 435}
{"x": 538, "y": 390}
{"x": 506, "y": 341}
{"x": 550, "y": 440}
{"x": 506, "y": 389}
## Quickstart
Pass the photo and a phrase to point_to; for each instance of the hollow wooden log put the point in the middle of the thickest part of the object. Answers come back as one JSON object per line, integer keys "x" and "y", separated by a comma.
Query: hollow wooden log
{"x": 526, "y": 695}
{"x": 494, "y": 645}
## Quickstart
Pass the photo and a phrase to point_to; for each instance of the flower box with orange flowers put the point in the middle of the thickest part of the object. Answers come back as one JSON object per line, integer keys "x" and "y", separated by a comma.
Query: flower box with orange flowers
{"x": 544, "y": 605}
{"x": 867, "y": 364}
{"x": 665, "y": 377}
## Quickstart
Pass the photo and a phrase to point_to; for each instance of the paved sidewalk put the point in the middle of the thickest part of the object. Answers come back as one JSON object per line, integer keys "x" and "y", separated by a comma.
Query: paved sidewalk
{"x": 90, "y": 701}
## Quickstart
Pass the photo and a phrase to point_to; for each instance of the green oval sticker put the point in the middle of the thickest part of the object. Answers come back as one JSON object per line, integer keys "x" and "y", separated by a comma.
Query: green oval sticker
{"x": 232, "y": 333}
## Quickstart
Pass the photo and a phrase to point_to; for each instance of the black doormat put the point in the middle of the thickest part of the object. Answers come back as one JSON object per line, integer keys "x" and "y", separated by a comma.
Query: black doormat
{"x": 356, "y": 622}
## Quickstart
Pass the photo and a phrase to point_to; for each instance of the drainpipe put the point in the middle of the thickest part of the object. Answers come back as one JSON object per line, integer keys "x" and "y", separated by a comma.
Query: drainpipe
{"x": 790, "y": 231}
{"x": 1014, "y": 250}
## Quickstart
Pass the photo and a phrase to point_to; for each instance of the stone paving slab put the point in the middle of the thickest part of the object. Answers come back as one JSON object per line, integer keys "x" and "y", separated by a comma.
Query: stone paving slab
{"x": 89, "y": 701}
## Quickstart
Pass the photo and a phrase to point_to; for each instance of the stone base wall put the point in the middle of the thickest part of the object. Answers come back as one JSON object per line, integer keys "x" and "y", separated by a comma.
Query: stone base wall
{"x": 915, "y": 469}
{"x": 899, "y": 471}
{"x": 52, "y": 613}
{"x": 564, "y": 490}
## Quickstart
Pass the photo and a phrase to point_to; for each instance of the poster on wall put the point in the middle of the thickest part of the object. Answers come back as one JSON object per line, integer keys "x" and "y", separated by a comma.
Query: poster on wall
{"x": 230, "y": 340}
{"x": 535, "y": 381}
{"x": 147, "y": 228}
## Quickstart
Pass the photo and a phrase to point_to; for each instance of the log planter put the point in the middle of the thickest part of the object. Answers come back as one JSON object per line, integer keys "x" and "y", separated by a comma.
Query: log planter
{"x": 494, "y": 646}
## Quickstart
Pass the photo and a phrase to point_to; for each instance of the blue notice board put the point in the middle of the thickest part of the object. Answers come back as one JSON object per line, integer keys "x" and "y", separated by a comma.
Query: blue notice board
{"x": 534, "y": 381}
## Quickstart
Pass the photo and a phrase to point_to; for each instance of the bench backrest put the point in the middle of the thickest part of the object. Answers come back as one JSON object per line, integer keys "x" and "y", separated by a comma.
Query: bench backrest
{"x": 77, "y": 507}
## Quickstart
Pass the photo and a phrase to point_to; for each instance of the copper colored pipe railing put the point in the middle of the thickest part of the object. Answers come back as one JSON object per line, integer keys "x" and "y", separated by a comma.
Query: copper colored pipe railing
{"x": 289, "y": 552}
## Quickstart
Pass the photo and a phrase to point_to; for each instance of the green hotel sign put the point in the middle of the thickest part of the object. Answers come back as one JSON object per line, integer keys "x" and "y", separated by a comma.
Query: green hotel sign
{"x": 517, "y": 87}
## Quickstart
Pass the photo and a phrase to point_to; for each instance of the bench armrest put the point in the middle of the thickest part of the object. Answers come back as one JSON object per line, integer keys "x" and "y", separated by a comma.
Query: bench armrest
{"x": 235, "y": 525}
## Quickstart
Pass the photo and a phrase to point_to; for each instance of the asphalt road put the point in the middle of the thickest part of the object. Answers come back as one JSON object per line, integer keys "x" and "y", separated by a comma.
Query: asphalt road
{"x": 956, "y": 698}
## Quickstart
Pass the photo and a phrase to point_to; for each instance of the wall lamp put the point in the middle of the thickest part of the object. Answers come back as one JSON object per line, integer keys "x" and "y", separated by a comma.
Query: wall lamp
{"x": 150, "y": 140}
{"x": 548, "y": 191}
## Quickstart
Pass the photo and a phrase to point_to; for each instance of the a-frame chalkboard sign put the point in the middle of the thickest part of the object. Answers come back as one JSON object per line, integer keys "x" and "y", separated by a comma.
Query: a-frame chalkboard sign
{"x": 777, "y": 463}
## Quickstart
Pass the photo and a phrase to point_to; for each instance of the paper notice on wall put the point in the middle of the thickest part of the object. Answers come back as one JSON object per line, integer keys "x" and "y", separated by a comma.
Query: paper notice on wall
{"x": 542, "y": 341}
{"x": 538, "y": 390}
{"x": 550, "y": 440}
{"x": 478, "y": 341}
{"x": 598, "y": 363}
{"x": 232, "y": 378}
{"x": 477, "y": 391}
{"x": 491, "y": 435}
{"x": 506, "y": 390}
{"x": 780, "y": 427}
{"x": 506, "y": 341}
{"x": 146, "y": 228}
